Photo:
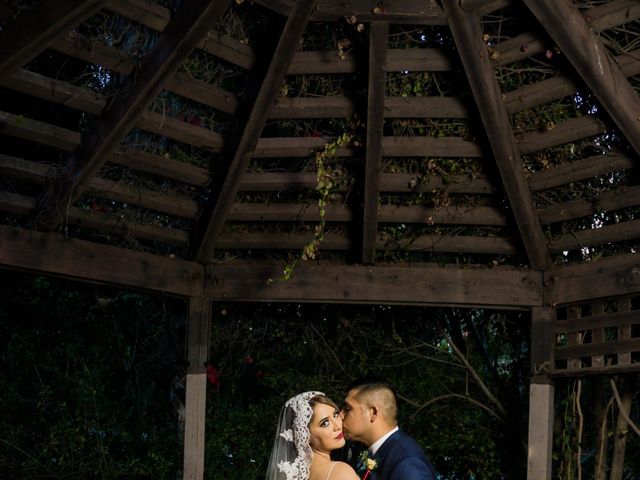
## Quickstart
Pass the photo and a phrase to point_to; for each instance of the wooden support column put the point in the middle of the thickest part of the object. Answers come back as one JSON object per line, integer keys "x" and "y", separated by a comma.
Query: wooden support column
{"x": 198, "y": 332}
{"x": 541, "y": 394}
{"x": 375, "y": 122}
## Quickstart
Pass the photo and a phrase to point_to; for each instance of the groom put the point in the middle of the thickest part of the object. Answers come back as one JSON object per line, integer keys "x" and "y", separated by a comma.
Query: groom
{"x": 370, "y": 417}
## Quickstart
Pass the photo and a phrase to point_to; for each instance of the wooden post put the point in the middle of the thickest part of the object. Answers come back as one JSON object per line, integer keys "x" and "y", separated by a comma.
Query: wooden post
{"x": 541, "y": 394}
{"x": 199, "y": 328}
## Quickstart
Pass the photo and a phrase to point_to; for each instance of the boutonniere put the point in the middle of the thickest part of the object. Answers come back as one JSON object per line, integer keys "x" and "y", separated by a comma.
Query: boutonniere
{"x": 366, "y": 465}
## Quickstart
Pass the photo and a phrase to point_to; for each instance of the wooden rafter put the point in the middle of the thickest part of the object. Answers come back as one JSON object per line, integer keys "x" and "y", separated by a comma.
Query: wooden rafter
{"x": 375, "y": 121}
{"x": 263, "y": 104}
{"x": 92, "y": 262}
{"x": 32, "y": 32}
{"x": 176, "y": 42}
{"x": 376, "y": 284}
{"x": 480, "y": 72}
{"x": 589, "y": 56}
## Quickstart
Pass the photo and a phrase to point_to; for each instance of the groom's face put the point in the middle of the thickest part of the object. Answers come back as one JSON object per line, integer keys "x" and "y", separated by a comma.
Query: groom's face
{"x": 355, "y": 418}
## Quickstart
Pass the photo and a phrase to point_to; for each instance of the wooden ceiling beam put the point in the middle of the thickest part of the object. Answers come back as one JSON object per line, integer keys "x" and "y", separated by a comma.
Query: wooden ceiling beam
{"x": 48, "y": 253}
{"x": 378, "y": 40}
{"x": 35, "y": 29}
{"x": 327, "y": 283}
{"x": 589, "y": 56}
{"x": 224, "y": 197}
{"x": 473, "y": 52}
{"x": 176, "y": 42}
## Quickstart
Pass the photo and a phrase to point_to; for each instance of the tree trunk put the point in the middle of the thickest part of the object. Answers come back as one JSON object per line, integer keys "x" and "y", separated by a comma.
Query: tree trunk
{"x": 600, "y": 412}
{"x": 622, "y": 430}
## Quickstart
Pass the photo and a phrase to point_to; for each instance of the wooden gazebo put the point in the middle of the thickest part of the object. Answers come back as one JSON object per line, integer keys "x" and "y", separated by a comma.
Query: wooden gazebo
{"x": 416, "y": 211}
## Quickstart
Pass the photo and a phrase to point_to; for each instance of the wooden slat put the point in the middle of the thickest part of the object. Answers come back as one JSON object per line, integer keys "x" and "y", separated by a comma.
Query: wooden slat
{"x": 441, "y": 215}
{"x": 149, "y": 14}
{"x": 422, "y": 12}
{"x": 452, "y": 244}
{"x": 375, "y": 124}
{"x": 605, "y": 277}
{"x": 55, "y": 91}
{"x": 565, "y": 132}
{"x": 203, "y": 92}
{"x": 228, "y": 49}
{"x": 526, "y": 45}
{"x": 82, "y": 99}
{"x": 162, "y": 166}
{"x": 425, "y": 107}
{"x": 561, "y": 86}
{"x": 102, "y": 188}
{"x": 140, "y": 197}
{"x": 31, "y": 32}
{"x": 95, "y": 220}
{"x": 624, "y": 331}
{"x": 397, "y": 60}
{"x": 79, "y": 259}
{"x": 488, "y": 97}
{"x": 175, "y": 43}
{"x": 91, "y": 51}
{"x": 482, "y": 7}
{"x": 335, "y": 242}
{"x": 591, "y": 349}
{"x": 429, "y": 147}
{"x": 223, "y": 198}
{"x": 359, "y": 284}
{"x": 417, "y": 60}
{"x": 623, "y": 197}
{"x": 287, "y": 212}
{"x": 281, "y": 241}
{"x": 389, "y": 182}
{"x": 618, "y": 232}
{"x": 580, "y": 170}
{"x": 565, "y": 24}
{"x": 606, "y": 370}
{"x": 598, "y": 320}
{"x": 38, "y": 132}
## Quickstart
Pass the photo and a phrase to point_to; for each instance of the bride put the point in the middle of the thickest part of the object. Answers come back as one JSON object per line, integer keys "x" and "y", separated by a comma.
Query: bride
{"x": 310, "y": 427}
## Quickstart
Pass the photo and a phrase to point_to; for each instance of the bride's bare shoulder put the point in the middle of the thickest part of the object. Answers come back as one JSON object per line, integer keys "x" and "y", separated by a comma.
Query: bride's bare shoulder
{"x": 343, "y": 471}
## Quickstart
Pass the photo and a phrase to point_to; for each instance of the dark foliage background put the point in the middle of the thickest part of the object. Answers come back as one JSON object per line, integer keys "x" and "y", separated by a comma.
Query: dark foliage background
{"x": 91, "y": 382}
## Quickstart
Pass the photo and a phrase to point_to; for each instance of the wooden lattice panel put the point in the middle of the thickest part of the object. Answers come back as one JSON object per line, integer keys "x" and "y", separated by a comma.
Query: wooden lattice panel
{"x": 600, "y": 337}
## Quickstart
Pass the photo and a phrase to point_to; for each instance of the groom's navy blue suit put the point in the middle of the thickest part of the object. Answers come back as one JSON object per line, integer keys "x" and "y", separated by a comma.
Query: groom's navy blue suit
{"x": 401, "y": 458}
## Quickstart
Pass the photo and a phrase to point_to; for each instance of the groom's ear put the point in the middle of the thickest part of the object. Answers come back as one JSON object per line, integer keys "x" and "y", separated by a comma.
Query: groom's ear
{"x": 373, "y": 412}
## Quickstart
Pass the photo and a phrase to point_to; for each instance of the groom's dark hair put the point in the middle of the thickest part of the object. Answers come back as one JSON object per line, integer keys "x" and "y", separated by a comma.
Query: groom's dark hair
{"x": 368, "y": 387}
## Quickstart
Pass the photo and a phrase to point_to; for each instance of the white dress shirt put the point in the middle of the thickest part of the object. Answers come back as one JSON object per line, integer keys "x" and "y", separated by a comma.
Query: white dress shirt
{"x": 378, "y": 443}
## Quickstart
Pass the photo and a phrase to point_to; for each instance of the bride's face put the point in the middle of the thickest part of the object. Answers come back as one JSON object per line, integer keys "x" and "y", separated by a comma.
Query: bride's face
{"x": 325, "y": 428}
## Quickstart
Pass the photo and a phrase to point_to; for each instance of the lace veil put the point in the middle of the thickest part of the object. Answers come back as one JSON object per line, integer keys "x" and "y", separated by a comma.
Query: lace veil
{"x": 291, "y": 455}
